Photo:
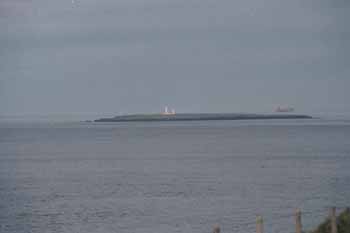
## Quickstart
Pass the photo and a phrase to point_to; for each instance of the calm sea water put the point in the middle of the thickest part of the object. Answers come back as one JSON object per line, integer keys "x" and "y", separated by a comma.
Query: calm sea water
{"x": 171, "y": 177}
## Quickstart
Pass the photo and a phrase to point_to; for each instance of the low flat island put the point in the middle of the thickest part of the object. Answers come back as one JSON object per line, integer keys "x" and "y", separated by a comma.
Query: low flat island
{"x": 200, "y": 117}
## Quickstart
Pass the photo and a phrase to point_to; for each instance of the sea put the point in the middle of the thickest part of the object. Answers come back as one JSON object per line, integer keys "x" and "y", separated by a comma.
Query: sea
{"x": 167, "y": 177}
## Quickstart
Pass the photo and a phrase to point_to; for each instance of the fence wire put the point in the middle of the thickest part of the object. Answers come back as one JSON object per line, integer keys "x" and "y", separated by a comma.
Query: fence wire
{"x": 311, "y": 217}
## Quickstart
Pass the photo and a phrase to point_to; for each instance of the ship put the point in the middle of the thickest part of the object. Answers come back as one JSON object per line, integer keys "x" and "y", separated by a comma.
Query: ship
{"x": 284, "y": 109}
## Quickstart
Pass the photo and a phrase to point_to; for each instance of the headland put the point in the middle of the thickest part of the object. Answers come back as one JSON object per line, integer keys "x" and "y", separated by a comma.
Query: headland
{"x": 200, "y": 117}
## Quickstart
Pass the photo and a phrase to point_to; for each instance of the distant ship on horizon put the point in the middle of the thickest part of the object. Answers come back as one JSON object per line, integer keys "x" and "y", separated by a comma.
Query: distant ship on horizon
{"x": 284, "y": 109}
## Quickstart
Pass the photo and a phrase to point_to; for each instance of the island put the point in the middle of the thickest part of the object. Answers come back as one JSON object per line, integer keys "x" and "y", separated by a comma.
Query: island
{"x": 199, "y": 117}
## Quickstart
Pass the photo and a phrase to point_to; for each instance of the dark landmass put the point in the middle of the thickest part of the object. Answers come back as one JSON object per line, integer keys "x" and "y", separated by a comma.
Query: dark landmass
{"x": 200, "y": 117}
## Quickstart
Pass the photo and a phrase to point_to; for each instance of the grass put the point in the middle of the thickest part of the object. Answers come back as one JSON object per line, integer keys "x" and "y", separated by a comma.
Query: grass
{"x": 343, "y": 224}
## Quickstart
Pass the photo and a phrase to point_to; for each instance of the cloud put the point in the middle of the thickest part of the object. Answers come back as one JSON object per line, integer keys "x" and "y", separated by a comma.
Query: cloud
{"x": 205, "y": 53}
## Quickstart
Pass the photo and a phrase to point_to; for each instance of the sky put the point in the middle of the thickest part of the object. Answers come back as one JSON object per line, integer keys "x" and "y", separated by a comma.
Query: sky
{"x": 108, "y": 57}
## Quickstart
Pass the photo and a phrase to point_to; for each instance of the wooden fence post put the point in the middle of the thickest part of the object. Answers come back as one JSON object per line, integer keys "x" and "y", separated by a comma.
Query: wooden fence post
{"x": 259, "y": 224}
{"x": 333, "y": 218}
{"x": 298, "y": 226}
{"x": 216, "y": 228}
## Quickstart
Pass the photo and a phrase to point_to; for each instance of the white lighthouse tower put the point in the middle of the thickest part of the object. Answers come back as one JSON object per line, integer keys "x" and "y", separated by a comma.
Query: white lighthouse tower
{"x": 167, "y": 112}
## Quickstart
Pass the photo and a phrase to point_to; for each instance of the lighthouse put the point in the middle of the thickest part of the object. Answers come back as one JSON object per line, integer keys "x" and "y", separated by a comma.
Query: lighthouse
{"x": 167, "y": 112}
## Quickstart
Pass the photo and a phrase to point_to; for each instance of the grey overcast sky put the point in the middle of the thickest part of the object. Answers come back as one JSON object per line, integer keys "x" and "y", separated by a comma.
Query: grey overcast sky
{"x": 127, "y": 56}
